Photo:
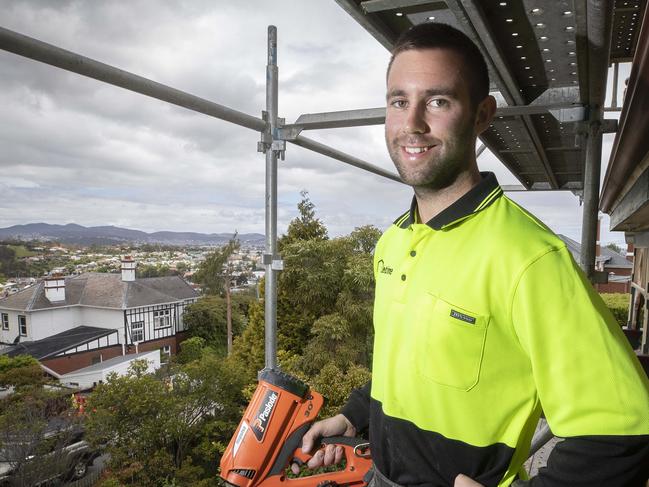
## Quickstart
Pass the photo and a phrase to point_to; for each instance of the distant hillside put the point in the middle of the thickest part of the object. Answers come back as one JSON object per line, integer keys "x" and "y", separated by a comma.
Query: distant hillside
{"x": 106, "y": 235}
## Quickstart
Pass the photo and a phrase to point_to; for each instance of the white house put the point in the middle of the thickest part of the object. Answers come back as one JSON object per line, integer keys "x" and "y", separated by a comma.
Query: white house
{"x": 96, "y": 374}
{"x": 121, "y": 310}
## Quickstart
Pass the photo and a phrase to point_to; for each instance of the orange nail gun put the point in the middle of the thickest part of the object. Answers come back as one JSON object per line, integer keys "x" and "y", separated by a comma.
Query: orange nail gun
{"x": 269, "y": 438}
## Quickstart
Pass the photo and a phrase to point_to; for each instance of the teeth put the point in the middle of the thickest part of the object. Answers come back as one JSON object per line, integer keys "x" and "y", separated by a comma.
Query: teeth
{"x": 416, "y": 150}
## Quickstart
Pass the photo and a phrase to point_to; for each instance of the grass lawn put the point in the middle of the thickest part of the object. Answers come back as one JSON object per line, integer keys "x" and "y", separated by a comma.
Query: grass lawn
{"x": 22, "y": 251}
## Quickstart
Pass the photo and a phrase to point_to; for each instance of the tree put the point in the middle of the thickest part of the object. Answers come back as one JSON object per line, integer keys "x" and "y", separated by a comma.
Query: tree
{"x": 615, "y": 247}
{"x": 21, "y": 371}
{"x": 155, "y": 271}
{"x": 305, "y": 226}
{"x": 365, "y": 238}
{"x": 215, "y": 275}
{"x": 207, "y": 319}
{"x": 167, "y": 429}
{"x": 324, "y": 316}
{"x": 36, "y": 426}
{"x": 9, "y": 263}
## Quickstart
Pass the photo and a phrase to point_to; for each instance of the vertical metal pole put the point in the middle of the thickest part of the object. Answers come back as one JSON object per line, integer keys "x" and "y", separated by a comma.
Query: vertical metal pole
{"x": 630, "y": 321}
{"x": 271, "y": 205}
{"x": 591, "y": 195}
{"x": 614, "y": 94}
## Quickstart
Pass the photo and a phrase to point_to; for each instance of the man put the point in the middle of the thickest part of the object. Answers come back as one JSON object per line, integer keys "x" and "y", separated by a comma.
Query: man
{"x": 482, "y": 318}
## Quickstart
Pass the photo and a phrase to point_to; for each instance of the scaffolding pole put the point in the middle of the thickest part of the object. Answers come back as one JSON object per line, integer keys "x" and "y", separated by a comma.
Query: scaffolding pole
{"x": 591, "y": 196}
{"x": 271, "y": 261}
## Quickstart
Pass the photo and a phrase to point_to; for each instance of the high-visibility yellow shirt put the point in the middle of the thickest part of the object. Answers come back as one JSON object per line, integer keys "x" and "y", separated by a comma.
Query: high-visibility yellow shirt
{"x": 482, "y": 320}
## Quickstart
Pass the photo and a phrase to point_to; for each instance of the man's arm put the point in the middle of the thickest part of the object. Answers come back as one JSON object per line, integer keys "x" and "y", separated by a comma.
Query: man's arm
{"x": 357, "y": 408}
{"x": 609, "y": 461}
{"x": 590, "y": 384}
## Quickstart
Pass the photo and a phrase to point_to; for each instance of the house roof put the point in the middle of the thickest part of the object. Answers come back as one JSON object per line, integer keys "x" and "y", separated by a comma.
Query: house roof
{"x": 104, "y": 291}
{"x": 611, "y": 258}
{"x": 50, "y": 346}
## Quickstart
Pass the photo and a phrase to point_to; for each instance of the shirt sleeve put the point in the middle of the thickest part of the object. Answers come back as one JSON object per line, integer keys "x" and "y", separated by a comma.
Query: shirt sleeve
{"x": 591, "y": 386}
{"x": 357, "y": 408}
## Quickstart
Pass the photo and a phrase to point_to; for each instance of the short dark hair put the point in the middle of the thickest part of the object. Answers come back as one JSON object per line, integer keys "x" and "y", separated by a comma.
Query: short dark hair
{"x": 431, "y": 35}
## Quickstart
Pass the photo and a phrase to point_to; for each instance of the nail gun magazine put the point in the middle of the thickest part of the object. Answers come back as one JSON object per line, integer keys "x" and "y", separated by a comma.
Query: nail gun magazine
{"x": 269, "y": 439}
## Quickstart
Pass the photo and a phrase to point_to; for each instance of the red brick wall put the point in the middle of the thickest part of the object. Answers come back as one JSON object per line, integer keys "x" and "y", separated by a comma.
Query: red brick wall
{"x": 76, "y": 361}
{"x": 172, "y": 341}
{"x": 613, "y": 287}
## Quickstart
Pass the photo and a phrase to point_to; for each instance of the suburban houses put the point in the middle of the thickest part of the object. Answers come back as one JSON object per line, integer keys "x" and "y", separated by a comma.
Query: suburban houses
{"x": 69, "y": 323}
{"x": 617, "y": 268}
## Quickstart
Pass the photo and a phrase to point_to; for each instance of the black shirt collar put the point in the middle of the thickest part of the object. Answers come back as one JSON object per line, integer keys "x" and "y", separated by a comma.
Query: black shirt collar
{"x": 476, "y": 199}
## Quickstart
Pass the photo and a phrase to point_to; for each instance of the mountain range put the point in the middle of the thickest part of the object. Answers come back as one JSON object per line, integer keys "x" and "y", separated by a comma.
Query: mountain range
{"x": 106, "y": 235}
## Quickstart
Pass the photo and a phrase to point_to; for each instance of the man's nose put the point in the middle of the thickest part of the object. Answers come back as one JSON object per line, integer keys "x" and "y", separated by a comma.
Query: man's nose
{"x": 415, "y": 121}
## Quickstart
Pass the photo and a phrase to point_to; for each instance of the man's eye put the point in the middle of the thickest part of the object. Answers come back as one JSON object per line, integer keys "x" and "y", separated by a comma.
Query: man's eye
{"x": 398, "y": 103}
{"x": 437, "y": 103}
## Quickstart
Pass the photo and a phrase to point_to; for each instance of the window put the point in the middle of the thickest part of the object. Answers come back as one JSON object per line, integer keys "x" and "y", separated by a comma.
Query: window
{"x": 161, "y": 319}
{"x": 22, "y": 325}
{"x": 5, "y": 321}
{"x": 137, "y": 331}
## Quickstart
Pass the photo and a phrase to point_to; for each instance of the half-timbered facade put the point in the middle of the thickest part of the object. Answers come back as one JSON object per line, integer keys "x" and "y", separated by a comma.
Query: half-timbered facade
{"x": 136, "y": 314}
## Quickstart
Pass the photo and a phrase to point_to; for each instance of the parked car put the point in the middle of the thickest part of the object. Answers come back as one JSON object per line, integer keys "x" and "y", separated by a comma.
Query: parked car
{"x": 61, "y": 454}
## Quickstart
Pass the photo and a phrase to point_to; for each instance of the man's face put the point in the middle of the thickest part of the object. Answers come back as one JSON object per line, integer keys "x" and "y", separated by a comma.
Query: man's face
{"x": 430, "y": 120}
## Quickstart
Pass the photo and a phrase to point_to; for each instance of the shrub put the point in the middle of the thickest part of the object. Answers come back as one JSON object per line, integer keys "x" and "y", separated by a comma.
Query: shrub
{"x": 618, "y": 303}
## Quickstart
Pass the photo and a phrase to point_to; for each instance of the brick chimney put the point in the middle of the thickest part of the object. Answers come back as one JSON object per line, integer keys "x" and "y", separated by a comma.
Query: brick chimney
{"x": 629, "y": 252}
{"x": 128, "y": 269}
{"x": 55, "y": 288}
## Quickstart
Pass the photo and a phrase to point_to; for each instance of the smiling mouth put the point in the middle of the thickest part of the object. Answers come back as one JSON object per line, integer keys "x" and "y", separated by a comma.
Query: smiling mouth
{"x": 417, "y": 150}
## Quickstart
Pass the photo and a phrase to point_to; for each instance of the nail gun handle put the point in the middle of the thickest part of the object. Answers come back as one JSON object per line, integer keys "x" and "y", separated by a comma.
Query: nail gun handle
{"x": 352, "y": 441}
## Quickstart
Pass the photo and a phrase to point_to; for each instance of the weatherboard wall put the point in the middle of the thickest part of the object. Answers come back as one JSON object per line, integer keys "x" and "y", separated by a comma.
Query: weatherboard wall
{"x": 10, "y": 335}
{"x": 48, "y": 322}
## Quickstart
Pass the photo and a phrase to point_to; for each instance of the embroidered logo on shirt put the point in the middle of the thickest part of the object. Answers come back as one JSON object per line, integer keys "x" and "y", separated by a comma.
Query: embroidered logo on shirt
{"x": 461, "y": 316}
{"x": 383, "y": 269}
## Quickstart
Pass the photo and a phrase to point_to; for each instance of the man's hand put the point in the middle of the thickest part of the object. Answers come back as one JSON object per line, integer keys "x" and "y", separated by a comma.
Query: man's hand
{"x": 335, "y": 426}
{"x": 464, "y": 481}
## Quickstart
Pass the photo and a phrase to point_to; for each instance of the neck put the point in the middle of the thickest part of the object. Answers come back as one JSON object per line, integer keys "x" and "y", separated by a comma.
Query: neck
{"x": 431, "y": 202}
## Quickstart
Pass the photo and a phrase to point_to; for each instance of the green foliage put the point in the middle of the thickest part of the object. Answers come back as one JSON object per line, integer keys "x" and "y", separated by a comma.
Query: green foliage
{"x": 615, "y": 247}
{"x": 170, "y": 428}
{"x": 213, "y": 272}
{"x": 324, "y": 316}
{"x": 22, "y": 251}
{"x": 35, "y": 426}
{"x": 305, "y": 226}
{"x": 365, "y": 238}
{"x": 157, "y": 429}
{"x": 206, "y": 318}
{"x": 157, "y": 270}
{"x": 248, "y": 349}
{"x": 618, "y": 303}
{"x": 20, "y": 372}
{"x": 190, "y": 350}
{"x": 9, "y": 263}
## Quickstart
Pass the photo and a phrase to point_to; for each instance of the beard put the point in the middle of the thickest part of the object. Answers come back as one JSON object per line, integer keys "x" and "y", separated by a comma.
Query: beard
{"x": 443, "y": 164}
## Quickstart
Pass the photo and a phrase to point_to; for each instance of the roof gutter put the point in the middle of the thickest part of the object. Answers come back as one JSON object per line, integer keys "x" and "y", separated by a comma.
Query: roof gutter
{"x": 631, "y": 144}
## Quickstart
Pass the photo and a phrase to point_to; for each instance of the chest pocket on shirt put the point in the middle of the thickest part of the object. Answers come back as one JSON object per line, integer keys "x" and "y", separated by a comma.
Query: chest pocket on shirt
{"x": 452, "y": 344}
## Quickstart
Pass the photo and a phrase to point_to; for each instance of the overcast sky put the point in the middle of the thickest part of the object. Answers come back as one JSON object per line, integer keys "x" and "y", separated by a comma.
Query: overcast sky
{"x": 75, "y": 150}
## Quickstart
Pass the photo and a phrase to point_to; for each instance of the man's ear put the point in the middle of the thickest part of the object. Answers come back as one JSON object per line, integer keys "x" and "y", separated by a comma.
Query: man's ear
{"x": 485, "y": 114}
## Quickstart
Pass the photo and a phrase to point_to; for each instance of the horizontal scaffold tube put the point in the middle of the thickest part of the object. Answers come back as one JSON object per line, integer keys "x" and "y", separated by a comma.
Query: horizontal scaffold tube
{"x": 46, "y": 53}
{"x": 341, "y": 156}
